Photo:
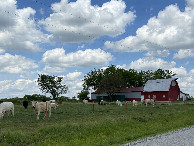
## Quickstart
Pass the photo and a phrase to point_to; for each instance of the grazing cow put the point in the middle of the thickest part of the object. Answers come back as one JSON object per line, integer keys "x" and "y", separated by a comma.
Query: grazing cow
{"x": 54, "y": 105}
{"x": 102, "y": 102}
{"x": 118, "y": 103}
{"x": 59, "y": 102}
{"x": 52, "y": 101}
{"x": 25, "y": 104}
{"x": 134, "y": 103}
{"x": 41, "y": 107}
{"x": 6, "y": 107}
{"x": 150, "y": 101}
{"x": 85, "y": 101}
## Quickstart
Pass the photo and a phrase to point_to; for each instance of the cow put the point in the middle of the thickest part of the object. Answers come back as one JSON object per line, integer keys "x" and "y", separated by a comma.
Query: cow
{"x": 54, "y": 105}
{"x": 25, "y": 104}
{"x": 6, "y": 107}
{"x": 41, "y": 107}
{"x": 59, "y": 102}
{"x": 102, "y": 102}
{"x": 118, "y": 103}
{"x": 85, "y": 101}
{"x": 134, "y": 103}
{"x": 146, "y": 101}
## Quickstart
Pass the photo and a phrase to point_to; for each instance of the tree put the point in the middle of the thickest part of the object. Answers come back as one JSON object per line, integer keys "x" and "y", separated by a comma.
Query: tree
{"x": 110, "y": 84}
{"x": 107, "y": 80}
{"x": 52, "y": 85}
{"x": 163, "y": 74}
{"x": 158, "y": 74}
{"x": 92, "y": 79}
{"x": 83, "y": 95}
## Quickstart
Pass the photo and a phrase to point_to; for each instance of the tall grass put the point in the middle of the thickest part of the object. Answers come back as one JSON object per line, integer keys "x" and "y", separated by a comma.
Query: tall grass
{"x": 73, "y": 124}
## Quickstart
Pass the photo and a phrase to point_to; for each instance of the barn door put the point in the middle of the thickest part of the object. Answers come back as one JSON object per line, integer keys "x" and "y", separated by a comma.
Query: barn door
{"x": 142, "y": 97}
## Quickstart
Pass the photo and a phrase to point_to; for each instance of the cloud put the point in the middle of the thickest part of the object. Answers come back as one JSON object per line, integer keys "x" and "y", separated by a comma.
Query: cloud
{"x": 172, "y": 29}
{"x": 18, "y": 88}
{"x": 74, "y": 82}
{"x": 2, "y": 51}
{"x": 15, "y": 64}
{"x": 184, "y": 54}
{"x": 52, "y": 70}
{"x": 73, "y": 76}
{"x": 80, "y": 21}
{"x": 181, "y": 71}
{"x": 190, "y": 3}
{"x": 161, "y": 53}
{"x": 88, "y": 58}
{"x": 14, "y": 28}
{"x": 151, "y": 63}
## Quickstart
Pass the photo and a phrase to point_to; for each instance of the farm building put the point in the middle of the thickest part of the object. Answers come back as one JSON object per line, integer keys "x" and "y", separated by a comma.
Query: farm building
{"x": 126, "y": 94}
{"x": 162, "y": 89}
{"x": 183, "y": 96}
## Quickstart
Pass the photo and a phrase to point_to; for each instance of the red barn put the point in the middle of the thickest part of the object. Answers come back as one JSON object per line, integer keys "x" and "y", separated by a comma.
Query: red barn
{"x": 162, "y": 89}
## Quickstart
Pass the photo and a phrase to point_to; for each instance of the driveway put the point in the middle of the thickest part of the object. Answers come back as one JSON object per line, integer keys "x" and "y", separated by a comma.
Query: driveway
{"x": 181, "y": 137}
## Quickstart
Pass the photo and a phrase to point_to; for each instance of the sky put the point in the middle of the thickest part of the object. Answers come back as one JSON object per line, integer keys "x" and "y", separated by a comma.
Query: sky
{"x": 71, "y": 38}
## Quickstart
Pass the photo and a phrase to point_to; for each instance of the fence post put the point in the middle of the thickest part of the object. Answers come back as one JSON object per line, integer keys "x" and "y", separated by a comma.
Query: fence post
{"x": 93, "y": 110}
{"x": 126, "y": 106}
{"x": 46, "y": 111}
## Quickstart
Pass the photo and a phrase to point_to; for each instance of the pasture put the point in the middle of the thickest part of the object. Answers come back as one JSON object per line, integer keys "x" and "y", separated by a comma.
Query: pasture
{"x": 73, "y": 124}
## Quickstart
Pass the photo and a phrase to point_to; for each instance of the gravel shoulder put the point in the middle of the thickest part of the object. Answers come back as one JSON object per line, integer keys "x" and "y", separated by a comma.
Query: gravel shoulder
{"x": 181, "y": 137}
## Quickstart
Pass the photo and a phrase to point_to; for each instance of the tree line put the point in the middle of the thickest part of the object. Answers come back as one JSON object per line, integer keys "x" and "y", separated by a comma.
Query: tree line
{"x": 107, "y": 80}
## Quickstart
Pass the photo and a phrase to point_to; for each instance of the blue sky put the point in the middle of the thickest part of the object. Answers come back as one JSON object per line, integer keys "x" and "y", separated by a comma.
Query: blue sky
{"x": 71, "y": 38}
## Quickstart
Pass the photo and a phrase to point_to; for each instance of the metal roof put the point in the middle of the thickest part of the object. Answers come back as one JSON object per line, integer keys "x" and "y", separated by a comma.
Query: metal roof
{"x": 158, "y": 85}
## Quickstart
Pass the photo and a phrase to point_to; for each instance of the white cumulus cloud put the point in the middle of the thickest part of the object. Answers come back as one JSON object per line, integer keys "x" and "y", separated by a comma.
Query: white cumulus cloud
{"x": 80, "y": 21}
{"x": 14, "y": 28}
{"x": 184, "y": 54}
{"x": 15, "y": 64}
{"x": 18, "y": 88}
{"x": 88, "y": 58}
{"x": 190, "y": 3}
{"x": 181, "y": 71}
{"x": 151, "y": 63}
{"x": 172, "y": 29}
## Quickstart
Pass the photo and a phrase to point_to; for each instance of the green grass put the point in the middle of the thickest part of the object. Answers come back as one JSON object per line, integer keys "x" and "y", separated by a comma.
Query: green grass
{"x": 72, "y": 124}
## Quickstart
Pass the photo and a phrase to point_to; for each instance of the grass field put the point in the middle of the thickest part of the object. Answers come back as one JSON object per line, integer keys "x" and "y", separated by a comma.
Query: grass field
{"x": 72, "y": 124}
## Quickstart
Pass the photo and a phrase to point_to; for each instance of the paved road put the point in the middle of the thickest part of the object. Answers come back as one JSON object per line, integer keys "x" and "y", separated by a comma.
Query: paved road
{"x": 182, "y": 137}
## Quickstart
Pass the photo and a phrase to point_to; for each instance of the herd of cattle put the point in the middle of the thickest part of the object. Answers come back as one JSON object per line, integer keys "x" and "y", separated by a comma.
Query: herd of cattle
{"x": 45, "y": 107}
{"x": 39, "y": 107}
{"x": 119, "y": 103}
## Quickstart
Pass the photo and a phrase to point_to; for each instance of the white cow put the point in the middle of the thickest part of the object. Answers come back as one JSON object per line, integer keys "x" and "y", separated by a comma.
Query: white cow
{"x": 85, "y": 101}
{"x": 151, "y": 101}
{"x": 6, "y": 107}
{"x": 102, "y": 102}
{"x": 41, "y": 107}
{"x": 134, "y": 103}
{"x": 118, "y": 103}
{"x": 52, "y": 101}
{"x": 54, "y": 105}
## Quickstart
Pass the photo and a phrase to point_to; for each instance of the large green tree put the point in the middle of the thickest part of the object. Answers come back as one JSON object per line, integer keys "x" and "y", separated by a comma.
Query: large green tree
{"x": 110, "y": 84}
{"x": 107, "y": 80}
{"x": 52, "y": 85}
{"x": 83, "y": 95}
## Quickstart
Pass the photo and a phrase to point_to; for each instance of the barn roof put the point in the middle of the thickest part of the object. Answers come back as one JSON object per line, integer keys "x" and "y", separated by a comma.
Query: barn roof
{"x": 158, "y": 85}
